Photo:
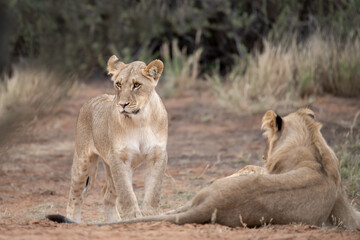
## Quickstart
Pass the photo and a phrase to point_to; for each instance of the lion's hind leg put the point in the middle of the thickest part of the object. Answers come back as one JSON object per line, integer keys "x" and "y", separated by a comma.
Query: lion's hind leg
{"x": 90, "y": 180}
{"x": 83, "y": 174}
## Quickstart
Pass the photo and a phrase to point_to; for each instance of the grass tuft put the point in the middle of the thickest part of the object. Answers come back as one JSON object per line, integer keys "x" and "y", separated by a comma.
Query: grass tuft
{"x": 27, "y": 93}
{"x": 284, "y": 74}
{"x": 349, "y": 155}
{"x": 181, "y": 70}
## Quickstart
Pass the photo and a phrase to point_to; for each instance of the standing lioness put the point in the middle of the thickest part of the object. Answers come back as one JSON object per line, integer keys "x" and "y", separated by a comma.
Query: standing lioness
{"x": 125, "y": 130}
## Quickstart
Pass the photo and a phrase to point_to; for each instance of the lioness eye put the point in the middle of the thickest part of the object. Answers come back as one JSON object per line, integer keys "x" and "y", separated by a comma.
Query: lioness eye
{"x": 118, "y": 84}
{"x": 136, "y": 85}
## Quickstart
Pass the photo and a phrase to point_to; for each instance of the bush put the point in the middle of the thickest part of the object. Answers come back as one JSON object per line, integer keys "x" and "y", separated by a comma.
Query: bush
{"x": 80, "y": 35}
{"x": 27, "y": 93}
{"x": 283, "y": 73}
{"x": 181, "y": 70}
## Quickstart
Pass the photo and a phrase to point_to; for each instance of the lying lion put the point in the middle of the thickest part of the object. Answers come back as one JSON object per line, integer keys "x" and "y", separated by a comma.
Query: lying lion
{"x": 301, "y": 184}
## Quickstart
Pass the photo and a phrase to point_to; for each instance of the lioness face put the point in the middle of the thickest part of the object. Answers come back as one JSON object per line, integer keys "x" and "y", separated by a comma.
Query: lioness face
{"x": 134, "y": 83}
{"x": 291, "y": 127}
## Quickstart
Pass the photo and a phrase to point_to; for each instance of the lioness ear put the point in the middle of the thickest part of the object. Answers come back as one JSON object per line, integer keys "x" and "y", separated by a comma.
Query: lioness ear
{"x": 154, "y": 69}
{"x": 272, "y": 121}
{"x": 308, "y": 112}
{"x": 311, "y": 115}
{"x": 114, "y": 65}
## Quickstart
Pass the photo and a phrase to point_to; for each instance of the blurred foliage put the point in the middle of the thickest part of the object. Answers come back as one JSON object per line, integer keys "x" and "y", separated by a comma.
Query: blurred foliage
{"x": 30, "y": 92}
{"x": 181, "y": 72}
{"x": 287, "y": 71}
{"x": 349, "y": 154}
{"x": 80, "y": 35}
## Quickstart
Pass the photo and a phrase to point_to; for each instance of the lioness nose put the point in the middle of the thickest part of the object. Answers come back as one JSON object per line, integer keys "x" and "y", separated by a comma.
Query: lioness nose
{"x": 123, "y": 104}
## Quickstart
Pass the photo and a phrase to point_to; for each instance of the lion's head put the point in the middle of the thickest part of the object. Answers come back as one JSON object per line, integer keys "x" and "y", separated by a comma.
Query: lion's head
{"x": 295, "y": 141}
{"x": 134, "y": 83}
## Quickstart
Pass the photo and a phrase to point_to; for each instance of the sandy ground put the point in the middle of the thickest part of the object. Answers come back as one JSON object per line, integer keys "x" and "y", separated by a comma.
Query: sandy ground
{"x": 206, "y": 142}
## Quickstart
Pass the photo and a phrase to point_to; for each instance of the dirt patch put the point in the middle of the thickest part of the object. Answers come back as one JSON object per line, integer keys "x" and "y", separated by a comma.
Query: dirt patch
{"x": 42, "y": 230}
{"x": 206, "y": 142}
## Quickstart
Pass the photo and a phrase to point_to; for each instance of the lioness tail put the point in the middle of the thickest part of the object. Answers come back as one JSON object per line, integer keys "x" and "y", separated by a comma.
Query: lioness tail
{"x": 59, "y": 218}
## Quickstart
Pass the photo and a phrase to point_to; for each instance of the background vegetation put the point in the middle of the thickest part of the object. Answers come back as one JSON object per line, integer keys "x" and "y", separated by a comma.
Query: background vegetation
{"x": 254, "y": 54}
{"x": 81, "y": 35}
{"x": 246, "y": 39}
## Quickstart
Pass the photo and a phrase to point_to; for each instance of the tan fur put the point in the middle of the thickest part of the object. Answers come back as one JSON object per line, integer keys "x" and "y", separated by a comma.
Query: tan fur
{"x": 126, "y": 129}
{"x": 301, "y": 183}
{"x": 248, "y": 170}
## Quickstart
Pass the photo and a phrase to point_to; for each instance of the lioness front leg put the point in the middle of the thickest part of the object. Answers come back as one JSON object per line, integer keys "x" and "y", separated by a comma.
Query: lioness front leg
{"x": 120, "y": 166}
{"x": 155, "y": 170}
{"x": 110, "y": 197}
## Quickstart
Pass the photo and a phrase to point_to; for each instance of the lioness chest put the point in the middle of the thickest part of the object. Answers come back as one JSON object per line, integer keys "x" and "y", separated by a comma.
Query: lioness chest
{"x": 139, "y": 139}
{"x": 140, "y": 144}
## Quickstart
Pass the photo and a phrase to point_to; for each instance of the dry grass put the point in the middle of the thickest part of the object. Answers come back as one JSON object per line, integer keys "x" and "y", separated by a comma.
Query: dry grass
{"x": 263, "y": 81}
{"x": 283, "y": 74}
{"x": 28, "y": 92}
{"x": 181, "y": 70}
{"x": 349, "y": 155}
{"x": 325, "y": 64}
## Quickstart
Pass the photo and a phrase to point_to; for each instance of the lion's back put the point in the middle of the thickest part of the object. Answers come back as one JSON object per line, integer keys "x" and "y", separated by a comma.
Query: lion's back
{"x": 93, "y": 118}
{"x": 100, "y": 103}
{"x": 96, "y": 107}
